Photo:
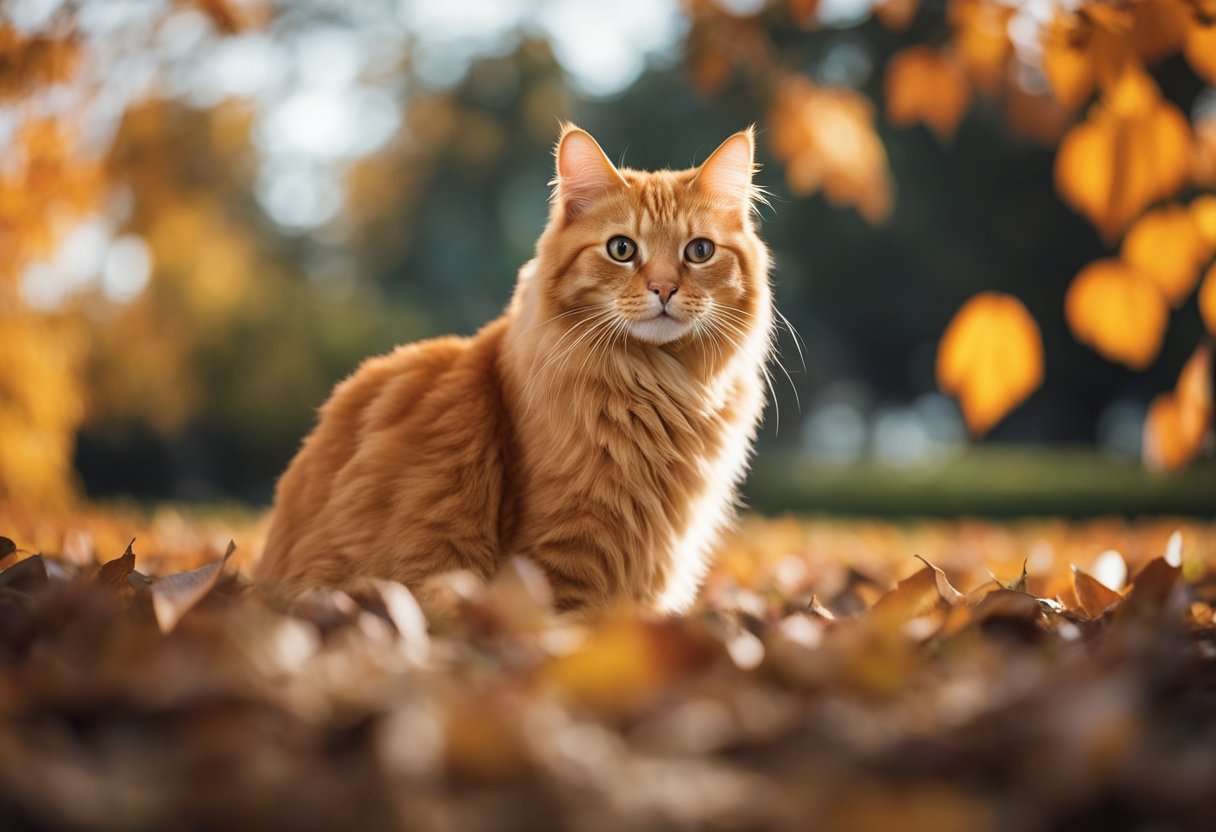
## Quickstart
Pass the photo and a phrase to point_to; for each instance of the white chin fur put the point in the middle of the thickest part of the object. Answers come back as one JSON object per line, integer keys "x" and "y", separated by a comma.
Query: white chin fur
{"x": 658, "y": 330}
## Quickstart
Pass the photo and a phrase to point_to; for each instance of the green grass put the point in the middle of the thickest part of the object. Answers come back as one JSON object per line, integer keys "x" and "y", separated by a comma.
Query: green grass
{"x": 989, "y": 481}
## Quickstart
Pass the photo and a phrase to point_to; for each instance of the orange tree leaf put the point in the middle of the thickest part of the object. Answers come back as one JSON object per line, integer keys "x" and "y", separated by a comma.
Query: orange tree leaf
{"x": 826, "y": 137}
{"x": 1133, "y": 149}
{"x": 925, "y": 86}
{"x": 1158, "y": 29}
{"x": 1117, "y": 312}
{"x": 1085, "y": 51}
{"x": 896, "y": 15}
{"x": 1207, "y": 300}
{"x": 1200, "y": 51}
{"x": 991, "y": 357}
{"x": 1203, "y": 153}
{"x": 1203, "y": 212}
{"x": 1178, "y": 422}
{"x": 1166, "y": 246}
{"x": 981, "y": 38}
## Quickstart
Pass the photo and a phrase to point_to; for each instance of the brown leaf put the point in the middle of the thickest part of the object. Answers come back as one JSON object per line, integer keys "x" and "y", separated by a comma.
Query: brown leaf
{"x": 7, "y": 547}
{"x": 174, "y": 595}
{"x": 25, "y": 575}
{"x": 1095, "y": 597}
{"x": 114, "y": 574}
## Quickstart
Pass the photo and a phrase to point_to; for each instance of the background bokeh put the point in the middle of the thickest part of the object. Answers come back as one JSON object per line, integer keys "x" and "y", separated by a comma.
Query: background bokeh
{"x": 211, "y": 211}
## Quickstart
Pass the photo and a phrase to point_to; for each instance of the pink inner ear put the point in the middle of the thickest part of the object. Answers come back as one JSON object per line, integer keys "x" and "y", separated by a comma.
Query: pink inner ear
{"x": 728, "y": 172}
{"x": 584, "y": 172}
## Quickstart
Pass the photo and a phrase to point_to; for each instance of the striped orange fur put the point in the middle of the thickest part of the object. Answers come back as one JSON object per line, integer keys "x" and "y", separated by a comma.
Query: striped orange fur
{"x": 600, "y": 426}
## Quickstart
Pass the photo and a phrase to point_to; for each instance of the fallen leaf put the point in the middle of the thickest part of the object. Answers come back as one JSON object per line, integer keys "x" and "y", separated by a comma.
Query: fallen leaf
{"x": 114, "y": 574}
{"x": 924, "y": 86}
{"x": 1117, "y": 312}
{"x": 1167, "y": 246}
{"x": 991, "y": 357}
{"x": 1094, "y": 596}
{"x": 7, "y": 547}
{"x": 175, "y": 595}
{"x": 26, "y": 575}
{"x": 407, "y": 617}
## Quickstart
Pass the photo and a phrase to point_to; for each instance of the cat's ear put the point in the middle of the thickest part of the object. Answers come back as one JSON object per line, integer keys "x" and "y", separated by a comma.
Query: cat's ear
{"x": 583, "y": 172}
{"x": 727, "y": 173}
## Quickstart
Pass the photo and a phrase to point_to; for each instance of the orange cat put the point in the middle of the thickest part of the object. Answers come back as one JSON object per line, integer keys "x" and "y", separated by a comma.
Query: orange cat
{"x": 600, "y": 426}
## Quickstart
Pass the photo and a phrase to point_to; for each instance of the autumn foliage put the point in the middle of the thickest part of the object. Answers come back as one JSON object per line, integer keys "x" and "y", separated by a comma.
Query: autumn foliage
{"x": 1043, "y": 672}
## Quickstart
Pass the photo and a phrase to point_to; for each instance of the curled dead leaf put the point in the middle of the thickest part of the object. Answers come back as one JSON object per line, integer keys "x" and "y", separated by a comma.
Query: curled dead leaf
{"x": 175, "y": 595}
{"x": 114, "y": 574}
{"x": 991, "y": 357}
{"x": 1094, "y": 596}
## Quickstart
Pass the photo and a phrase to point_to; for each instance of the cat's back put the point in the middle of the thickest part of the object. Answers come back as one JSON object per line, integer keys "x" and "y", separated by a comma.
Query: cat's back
{"x": 404, "y": 471}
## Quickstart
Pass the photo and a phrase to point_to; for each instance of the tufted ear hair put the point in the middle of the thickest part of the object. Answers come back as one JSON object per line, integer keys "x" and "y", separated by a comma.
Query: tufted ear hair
{"x": 583, "y": 172}
{"x": 727, "y": 174}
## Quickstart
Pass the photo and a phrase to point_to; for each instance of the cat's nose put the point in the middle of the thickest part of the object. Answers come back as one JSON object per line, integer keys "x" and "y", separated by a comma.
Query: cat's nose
{"x": 663, "y": 288}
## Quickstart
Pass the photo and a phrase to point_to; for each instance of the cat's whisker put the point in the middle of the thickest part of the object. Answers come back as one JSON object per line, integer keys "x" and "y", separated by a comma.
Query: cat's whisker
{"x": 733, "y": 318}
{"x": 725, "y": 329}
{"x": 799, "y": 343}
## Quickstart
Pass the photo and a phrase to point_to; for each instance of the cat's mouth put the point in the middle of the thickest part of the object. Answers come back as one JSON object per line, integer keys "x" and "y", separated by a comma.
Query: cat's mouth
{"x": 660, "y": 328}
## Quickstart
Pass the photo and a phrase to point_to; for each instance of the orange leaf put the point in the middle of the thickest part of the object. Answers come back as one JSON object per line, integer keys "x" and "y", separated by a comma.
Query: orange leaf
{"x": 924, "y": 86}
{"x": 1133, "y": 149}
{"x": 896, "y": 15}
{"x": 1203, "y": 211}
{"x": 1166, "y": 246}
{"x": 981, "y": 37}
{"x": 826, "y": 137}
{"x": 1200, "y": 51}
{"x": 1207, "y": 300}
{"x": 1178, "y": 422}
{"x": 1117, "y": 312}
{"x": 1203, "y": 153}
{"x": 991, "y": 357}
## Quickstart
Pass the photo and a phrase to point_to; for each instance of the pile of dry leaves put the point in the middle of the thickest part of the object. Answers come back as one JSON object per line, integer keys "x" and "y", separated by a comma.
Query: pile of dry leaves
{"x": 828, "y": 680}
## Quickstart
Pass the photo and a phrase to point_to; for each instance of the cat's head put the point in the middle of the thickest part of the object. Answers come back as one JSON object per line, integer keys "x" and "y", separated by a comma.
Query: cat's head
{"x": 659, "y": 257}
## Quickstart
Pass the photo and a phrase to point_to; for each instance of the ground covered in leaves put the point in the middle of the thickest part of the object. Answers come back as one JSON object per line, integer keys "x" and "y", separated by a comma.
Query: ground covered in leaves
{"x": 1037, "y": 675}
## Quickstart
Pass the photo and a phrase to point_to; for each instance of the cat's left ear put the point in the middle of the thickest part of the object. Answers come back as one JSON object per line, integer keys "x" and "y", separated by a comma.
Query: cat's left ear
{"x": 727, "y": 173}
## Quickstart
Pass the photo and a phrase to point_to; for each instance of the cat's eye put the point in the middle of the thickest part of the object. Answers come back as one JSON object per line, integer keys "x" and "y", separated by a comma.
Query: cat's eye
{"x": 622, "y": 249}
{"x": 699, "y": 250}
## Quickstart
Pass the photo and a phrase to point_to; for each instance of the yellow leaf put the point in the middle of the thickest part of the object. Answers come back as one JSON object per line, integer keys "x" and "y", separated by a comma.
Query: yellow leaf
{"x": 1117, "y": 312}
{"x": 1203, "y": 211}
{"x": 1178, "y": 422}
{"x": 1133, "y": 149}
{"x": 1207, "y": 300}
{"x": 1200, "y": 51}
{"x": 1166, "y": 246}
{"x": 925, "y": 86}
{"x": 991, "y": 357}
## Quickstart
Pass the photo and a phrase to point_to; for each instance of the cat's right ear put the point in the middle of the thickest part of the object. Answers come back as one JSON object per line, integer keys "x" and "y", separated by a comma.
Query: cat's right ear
{"x": 584, "y": 173}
